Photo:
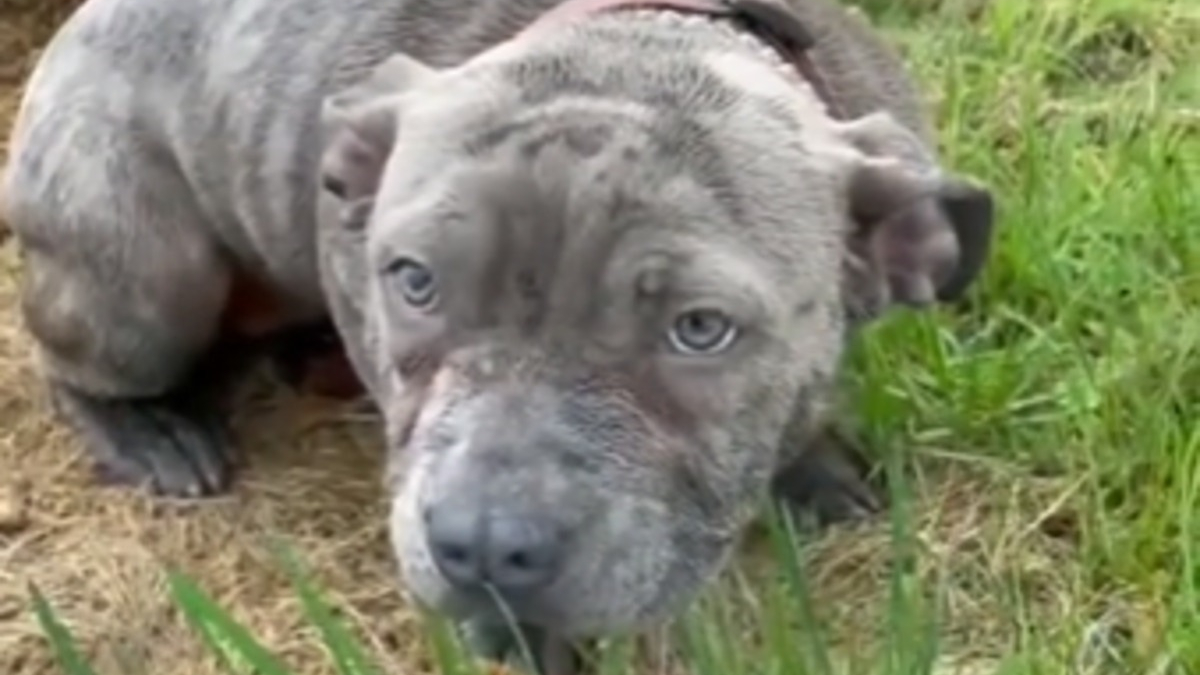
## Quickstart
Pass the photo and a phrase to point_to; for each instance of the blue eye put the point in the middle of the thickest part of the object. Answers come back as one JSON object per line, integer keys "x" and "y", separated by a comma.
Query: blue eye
{"x": 703, "y": 331}
{"x": 417, "y": 283}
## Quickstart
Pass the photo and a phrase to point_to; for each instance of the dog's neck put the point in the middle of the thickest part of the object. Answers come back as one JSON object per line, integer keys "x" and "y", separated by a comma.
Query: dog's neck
{"x": 767, "y": 20}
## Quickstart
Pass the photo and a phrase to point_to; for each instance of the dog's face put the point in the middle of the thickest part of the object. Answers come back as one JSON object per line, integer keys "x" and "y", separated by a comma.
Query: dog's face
{"x": 598, "y": 295}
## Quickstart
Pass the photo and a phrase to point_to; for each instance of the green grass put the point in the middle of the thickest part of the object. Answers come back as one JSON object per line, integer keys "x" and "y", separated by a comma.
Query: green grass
{"x": 1051, "y": 430}
{"x": 706, "y": 635}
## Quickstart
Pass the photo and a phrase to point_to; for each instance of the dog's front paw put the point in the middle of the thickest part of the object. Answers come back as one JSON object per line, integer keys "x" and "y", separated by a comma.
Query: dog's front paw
{"x": 830, "y": 481}
{"x": 175, "y": 445}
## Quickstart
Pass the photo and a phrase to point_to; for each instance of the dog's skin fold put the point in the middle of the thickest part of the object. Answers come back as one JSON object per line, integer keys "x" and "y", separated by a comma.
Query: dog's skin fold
{"x": 597, "y": 277}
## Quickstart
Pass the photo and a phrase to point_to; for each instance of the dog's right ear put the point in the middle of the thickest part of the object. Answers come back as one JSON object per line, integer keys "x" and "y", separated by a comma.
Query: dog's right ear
{"x": 359, "y": 127}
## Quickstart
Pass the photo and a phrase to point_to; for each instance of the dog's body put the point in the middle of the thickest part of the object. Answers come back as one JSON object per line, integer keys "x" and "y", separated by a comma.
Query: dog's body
{"x": 599, "y": 194}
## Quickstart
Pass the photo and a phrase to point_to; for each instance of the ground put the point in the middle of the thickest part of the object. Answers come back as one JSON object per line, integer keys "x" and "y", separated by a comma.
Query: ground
{"x": 1050, "y": 426}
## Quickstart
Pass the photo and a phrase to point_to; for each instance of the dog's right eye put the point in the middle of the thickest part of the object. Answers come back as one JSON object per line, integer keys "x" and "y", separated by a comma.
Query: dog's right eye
{"x": 417, "y": 283}
{"x": 703, "y": 331}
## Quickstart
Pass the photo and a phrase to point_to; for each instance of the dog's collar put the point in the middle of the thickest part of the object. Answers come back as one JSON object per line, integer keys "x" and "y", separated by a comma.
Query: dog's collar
{"x": 767, "y": 19}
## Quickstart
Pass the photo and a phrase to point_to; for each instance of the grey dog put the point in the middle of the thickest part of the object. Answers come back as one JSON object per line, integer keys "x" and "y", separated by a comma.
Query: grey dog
{"x": 595, "y": 263}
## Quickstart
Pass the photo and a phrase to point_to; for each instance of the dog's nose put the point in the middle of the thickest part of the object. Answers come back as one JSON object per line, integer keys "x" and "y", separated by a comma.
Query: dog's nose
{"x": 473, "y": 547}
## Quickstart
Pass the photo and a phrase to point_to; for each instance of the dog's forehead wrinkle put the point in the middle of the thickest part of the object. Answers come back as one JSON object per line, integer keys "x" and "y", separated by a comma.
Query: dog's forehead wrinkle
{"x": 563, "y": 113}
{"x": 585, "y": 261}
{"x": 687, "y": 144}
{"x": 691, "y": 142}
{"x": 552, "y": 207}
{"x": 434, "y": 219}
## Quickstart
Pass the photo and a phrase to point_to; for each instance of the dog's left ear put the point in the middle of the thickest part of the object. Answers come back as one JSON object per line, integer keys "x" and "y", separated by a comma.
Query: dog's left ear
{"x": 359, "y": 126}
{"x": 918, "y": 235}
{"x": 920, "y": 239}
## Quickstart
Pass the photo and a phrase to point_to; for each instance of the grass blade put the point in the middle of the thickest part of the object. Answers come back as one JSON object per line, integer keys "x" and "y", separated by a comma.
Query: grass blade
{"x": 62, "y": 643}
{"x": 912, "y": 638}
{"x": 230, "y": 641}
{"x": 447, "y": 649}
{"x": 786, "y": 540}
{"x": 346, "y": 652}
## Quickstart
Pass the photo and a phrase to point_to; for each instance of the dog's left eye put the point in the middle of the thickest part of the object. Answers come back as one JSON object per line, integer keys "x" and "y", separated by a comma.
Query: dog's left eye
{"x": 416, "y": 281}
{"x": 703, "y": 331}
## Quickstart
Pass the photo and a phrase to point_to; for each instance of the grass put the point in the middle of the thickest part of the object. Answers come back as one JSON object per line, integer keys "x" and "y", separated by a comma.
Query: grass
{"x": 1050, "y": 430}
{"x": 704, "y": 633}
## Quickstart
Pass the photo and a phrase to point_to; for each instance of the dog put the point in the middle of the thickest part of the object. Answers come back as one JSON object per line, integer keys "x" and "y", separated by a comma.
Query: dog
{"x": 595, "y": 262}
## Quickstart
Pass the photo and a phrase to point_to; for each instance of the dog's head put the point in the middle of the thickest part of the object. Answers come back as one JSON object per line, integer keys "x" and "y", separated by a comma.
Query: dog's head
{"x": 604, "y": 271}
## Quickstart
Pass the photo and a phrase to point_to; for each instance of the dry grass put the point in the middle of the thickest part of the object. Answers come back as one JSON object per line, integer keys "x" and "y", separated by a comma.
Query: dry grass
{"x": 1053, "y": 486}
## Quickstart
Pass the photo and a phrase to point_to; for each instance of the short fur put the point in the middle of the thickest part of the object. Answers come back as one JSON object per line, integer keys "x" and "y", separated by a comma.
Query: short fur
{"x": 572, "y": 191}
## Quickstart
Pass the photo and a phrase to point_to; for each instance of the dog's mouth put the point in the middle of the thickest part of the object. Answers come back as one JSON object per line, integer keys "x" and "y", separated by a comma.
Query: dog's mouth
{"x": 533, "y": 649}
{"x": 498, "y": 631}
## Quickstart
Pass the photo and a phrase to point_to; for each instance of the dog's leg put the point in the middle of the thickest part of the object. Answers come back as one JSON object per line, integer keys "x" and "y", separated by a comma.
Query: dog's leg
{"x": 124, "y": 291}
{"x": 177, "y": 443}
{"x": 830, "y": 480}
